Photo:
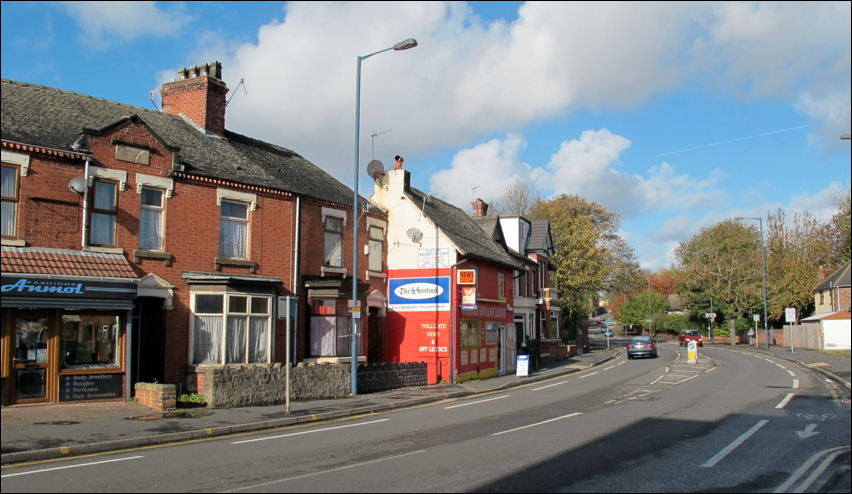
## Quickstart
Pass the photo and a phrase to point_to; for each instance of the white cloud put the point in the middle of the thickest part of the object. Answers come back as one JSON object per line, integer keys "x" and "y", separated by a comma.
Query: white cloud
{"x": 469, "y": 79}
{"x": 103, "y": 22}
{"x": 485, "y": 171}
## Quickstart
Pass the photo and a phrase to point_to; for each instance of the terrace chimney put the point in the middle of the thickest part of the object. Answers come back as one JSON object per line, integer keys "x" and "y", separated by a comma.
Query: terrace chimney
{"x": 198, "y": 94}
{"x": 480, "y": 208}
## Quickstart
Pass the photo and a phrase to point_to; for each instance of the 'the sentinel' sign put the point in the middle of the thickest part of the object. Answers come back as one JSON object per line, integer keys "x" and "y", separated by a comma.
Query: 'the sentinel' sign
{"x": 419, "y": 294}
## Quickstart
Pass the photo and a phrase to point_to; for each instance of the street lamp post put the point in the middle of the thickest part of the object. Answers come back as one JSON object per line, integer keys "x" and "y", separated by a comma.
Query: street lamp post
{"x": 763, "y": 261}
{"x": 356, "y": 309}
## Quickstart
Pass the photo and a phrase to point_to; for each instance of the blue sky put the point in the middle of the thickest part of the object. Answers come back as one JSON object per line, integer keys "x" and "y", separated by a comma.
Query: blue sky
{"x": 675, "y": 115}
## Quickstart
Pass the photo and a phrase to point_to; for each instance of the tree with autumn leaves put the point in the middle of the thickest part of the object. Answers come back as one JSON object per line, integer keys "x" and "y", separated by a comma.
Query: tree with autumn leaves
{"x": 590, "y": 257}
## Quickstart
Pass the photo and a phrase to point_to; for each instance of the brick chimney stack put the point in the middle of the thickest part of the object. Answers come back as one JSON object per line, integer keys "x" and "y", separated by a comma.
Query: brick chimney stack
{"x": 199, "y": 94}
{"x": 480, "y": 208}
{"x": 821, "y": 273}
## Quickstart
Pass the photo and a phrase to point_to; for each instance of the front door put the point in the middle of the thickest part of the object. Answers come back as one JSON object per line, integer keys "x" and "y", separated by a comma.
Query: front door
{"x": 30, "y": 380}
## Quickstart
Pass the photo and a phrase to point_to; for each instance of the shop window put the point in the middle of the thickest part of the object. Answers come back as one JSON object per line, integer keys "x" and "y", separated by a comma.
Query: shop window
{"x": 151, "y": 219}
{"x": 330, "y": 330}
{"x": 102, "y": 217}
{"x": 236, "y": 333}
{"x": 9, "y": 191}
{"x": 90, "y": 341}
{"x": 233, "y": 230}
{"x": 333, "y": 242}
{"x": 469, "y": 330}
{"x": 377, "y": 241}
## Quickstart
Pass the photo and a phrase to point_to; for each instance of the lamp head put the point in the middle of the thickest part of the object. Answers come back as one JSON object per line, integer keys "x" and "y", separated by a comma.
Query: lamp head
{"x": 405, "y": 44}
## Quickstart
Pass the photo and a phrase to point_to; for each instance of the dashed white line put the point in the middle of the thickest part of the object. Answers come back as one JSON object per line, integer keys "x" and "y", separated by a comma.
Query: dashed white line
{"x": 44, "y": 470}
{"x": 795, "y": 383}
{"x": 477, "y": 402}
{"x": 347, "y": 467}
{"x": 734, "y": 445}
{"x": 311, "y": 431}
{"x": 587, "y": 375}
{"x": 537, "y": 423}
{"x": 783, "y": 403}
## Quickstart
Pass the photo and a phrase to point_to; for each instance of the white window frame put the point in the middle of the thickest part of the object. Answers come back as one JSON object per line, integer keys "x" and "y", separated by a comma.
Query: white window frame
{"x": 161, "y": 209}
{"x": 244, "y": 222}
{"x": 104, "y": 212}
{"x": 13, "y": 200}
{"x": 227, "y": 317}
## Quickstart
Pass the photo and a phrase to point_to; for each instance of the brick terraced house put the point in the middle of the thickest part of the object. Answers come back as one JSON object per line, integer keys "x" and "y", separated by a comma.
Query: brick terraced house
{"x": 157, "y": 246}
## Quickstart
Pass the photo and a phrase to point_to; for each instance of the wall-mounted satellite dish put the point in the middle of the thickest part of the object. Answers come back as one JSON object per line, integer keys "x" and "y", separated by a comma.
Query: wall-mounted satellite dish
{"x": 414, "y": 234}
{"x": 376, "y": 170}
{"x": 77, "y": 185}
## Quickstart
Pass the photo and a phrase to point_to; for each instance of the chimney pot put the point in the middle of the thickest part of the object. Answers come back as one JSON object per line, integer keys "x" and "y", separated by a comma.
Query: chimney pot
{"x": 399, "y": 161}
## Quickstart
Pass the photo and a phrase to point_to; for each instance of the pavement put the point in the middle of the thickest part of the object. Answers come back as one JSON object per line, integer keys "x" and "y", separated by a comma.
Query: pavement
{"x": 48, "y": 431}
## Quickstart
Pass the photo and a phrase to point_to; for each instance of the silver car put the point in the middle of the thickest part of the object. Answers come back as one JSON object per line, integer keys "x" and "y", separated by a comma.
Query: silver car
{"x": 641, "y": 346}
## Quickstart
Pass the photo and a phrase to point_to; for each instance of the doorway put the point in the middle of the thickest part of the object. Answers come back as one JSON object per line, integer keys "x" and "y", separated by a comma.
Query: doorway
{"x": 31, "y": 362}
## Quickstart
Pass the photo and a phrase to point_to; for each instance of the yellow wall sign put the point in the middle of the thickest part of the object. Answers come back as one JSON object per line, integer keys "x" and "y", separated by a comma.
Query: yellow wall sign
{"x": 466, "y": 277}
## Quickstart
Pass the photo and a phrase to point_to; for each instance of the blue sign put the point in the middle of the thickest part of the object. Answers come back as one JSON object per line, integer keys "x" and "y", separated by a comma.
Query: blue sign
{"x": 419, "y": 294}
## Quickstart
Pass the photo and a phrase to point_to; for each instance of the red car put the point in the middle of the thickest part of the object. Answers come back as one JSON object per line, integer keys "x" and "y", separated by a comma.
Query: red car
{"x": 688, "y": 335}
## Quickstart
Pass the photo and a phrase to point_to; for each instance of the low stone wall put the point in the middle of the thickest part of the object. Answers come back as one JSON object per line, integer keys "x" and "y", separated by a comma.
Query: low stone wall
{"x": 257, "y": 385}
{"x": 380, "y": 377}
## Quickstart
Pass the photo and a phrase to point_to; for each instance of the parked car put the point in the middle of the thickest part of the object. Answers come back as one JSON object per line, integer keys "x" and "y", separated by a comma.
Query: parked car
{"x": 688, "y": 335}
{"x": 641, "y": 346}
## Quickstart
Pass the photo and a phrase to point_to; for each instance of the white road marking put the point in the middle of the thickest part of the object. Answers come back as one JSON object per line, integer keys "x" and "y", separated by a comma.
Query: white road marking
{"x": 347, "y": 467}
{"x": 311, "y": 431}
{"x": 734, "y": 445}
{"x": 550, "y": 385}
{"x": 69, "y": 466}
{"x": 476, "y": 402}
{"x": 795, "y": 383}
{"x": 587, "y": 375}
{"x": 537, "y": 423}
{"x": 783, "y": 403}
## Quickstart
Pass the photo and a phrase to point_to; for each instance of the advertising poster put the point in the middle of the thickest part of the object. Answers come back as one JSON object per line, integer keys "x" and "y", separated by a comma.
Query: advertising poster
{"x": 424, "y": 294}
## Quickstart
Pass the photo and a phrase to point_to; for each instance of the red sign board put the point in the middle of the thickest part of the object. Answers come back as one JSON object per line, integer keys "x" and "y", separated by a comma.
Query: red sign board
{"x": 466, "y": 277}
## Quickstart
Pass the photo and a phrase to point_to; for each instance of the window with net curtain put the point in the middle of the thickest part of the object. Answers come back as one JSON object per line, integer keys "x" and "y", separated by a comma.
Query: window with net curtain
{"x": 9, "y": 193}
{"x": 231, "y": 329}
{"x": 330, "y": 329}
{"x": 233, "y": 230}
{"x": 151, "y": 219}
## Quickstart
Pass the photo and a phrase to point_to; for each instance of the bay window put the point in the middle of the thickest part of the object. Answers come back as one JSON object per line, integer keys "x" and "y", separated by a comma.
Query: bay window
{"x": 231, "y": 328}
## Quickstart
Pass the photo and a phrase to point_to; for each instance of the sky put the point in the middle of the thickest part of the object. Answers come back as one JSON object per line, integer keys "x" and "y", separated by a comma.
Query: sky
{"x": 673, "y": 115}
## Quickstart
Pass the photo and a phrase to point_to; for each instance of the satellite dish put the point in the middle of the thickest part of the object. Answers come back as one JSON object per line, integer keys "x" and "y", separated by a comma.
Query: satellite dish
{"x": 77, "y": 185}
{"x": 414, "y": 234}
{"x": 375, "y": 169}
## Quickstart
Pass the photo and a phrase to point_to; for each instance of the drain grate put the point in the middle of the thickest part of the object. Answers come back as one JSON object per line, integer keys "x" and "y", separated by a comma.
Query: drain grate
{"x": 58, "y": 422}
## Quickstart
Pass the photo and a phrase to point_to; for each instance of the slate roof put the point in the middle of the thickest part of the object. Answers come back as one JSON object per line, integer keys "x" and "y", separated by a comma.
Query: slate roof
{"x": 472, "y": 240}
{"x": 539, "y": 234}
{"x": 840, "y": 278}
{"x": 64, "y": 262}
{"x": 54, "y": 119}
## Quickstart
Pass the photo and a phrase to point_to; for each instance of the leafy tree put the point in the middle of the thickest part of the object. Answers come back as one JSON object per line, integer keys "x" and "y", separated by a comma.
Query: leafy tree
{"x": 721, "y": 263}
{"x": 794, "y": 253}
{"x": 587, "y": 245}
{"x": 840, "y": 229}
{"x": 635, "y": 311}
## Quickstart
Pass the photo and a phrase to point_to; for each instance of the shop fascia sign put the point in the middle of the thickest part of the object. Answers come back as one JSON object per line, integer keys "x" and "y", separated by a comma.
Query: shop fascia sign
{"x": 44, "y": 287}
